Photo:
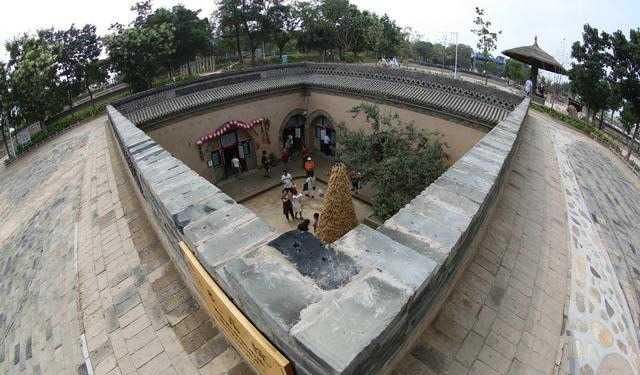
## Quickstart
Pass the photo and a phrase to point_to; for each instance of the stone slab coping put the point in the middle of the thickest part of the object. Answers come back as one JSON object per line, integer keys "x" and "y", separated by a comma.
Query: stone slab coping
{"x": 358, "y": 326}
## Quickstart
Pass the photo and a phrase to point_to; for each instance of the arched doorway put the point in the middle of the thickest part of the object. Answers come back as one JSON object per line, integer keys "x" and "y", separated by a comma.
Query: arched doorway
{"x": 293, "y": 134}
{"x": 324, "y": 134}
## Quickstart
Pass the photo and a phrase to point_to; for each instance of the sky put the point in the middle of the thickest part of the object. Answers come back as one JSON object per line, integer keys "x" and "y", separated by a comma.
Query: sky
{"x": 557, "y": 23}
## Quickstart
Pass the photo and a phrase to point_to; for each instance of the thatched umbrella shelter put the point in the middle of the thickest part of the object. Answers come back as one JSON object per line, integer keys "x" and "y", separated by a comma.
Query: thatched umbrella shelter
{"x": 536, "y": 57}
{"x": 338, "y": 216}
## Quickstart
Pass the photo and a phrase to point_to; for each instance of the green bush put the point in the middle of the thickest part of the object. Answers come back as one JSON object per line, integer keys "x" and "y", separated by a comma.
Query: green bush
{"x": 581, "y": 125}
{"x": 61, "y": 124}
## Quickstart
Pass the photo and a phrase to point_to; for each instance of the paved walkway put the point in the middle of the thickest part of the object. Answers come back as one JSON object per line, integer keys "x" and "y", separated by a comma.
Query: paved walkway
{"x": 79, "y": 260}
{"x": 506, "y": 313}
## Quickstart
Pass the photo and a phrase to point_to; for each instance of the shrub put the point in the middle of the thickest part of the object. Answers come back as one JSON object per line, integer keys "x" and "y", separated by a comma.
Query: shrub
{"x": 398, "y": 159}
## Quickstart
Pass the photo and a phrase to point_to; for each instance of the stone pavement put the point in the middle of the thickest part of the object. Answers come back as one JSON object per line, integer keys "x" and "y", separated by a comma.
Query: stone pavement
{"x": 603, "y": 310}
{"x": 505, "y": 315}
{"x": 79, "y": 258}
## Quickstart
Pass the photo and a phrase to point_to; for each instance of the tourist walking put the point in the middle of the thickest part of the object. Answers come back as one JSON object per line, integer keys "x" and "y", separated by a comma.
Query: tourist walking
{"x": 285, "y": 157}
{"x": 309, "y": 167}
{"x": 266, "y": 164}
{"x": 309, "y": 187}
{"x": 297, "y": 201}
{"x": 287, "y": 205}
{"x": 287, "y": 181}
{"x": 235, "y": 163}
{"x": 528, "y": 86}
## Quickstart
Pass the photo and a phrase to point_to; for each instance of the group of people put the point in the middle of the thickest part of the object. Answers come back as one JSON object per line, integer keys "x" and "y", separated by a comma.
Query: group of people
{"x": 293, "y": 199}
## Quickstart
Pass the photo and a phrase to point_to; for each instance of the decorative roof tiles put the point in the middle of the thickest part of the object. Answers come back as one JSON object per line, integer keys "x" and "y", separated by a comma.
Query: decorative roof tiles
{"x": 453, "y": 97}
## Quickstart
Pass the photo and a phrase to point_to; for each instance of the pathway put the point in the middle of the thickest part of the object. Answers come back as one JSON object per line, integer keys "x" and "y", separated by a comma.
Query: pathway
{"x": 80, "y": 264}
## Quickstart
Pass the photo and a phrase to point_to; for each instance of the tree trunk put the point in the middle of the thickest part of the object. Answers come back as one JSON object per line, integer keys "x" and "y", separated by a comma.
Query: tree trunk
{"x": 632, "y": 141}
{"x": 93, "y": 104}
{"x": 4, "y": 139}
{"x": 601, "y": 123}
{"x": 238, "y": 47}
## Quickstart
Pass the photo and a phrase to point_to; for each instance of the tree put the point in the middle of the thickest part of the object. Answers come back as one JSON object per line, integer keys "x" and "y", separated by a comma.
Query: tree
{"x": 140, "y": 53}
{"x": 391, "y": 40}
{"x": 191, "y": 33}
{"x": 229, "y": 19}
{"x": 33, "y": 80}
{"x": 338, "y": 216}
{"x": 251, "y": 12}
{"x": 516, "y": 71}
{"x": 625, "y": 72}
{"x": 5, "y": 104}
{"x": 398, "y": 159}
{"x": 281, "y": 24}
{"x": 423, "y": 50}
{"x": 588, "y": 73}
{"x": 77, "y": 52}
{"x": 487, "y": 39}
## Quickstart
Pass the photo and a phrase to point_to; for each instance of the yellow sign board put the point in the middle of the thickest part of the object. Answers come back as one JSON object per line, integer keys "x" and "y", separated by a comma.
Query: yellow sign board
{"x": 238, "y": 330}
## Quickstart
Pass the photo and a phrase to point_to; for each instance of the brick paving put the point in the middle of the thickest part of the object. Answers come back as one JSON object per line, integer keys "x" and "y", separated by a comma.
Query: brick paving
{"x": 506, "y": 313}
{"x": 114, "y": 283}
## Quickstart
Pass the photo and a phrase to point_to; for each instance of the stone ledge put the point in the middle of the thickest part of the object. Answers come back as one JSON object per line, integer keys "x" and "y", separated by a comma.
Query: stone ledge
{"x": 402, "y": 267}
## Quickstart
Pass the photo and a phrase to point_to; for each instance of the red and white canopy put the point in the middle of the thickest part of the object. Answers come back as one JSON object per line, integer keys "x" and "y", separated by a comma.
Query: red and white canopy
{"x": 228, "y": 127}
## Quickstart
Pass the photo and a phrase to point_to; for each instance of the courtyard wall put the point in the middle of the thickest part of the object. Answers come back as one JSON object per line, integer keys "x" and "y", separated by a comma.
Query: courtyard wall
{"x": 179, "y": 136}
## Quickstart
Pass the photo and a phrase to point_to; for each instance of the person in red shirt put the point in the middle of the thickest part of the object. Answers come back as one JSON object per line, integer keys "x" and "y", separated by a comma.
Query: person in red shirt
{"x": 309, "y": 167}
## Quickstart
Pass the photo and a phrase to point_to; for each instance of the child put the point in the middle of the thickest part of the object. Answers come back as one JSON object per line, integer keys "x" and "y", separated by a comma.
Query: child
{"x": 309, "y": 187}
{"x": 316, "y": 218}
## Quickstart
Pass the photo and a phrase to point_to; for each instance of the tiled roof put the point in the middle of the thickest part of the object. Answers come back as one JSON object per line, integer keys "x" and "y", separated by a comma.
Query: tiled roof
{"x": 454, "y": 97}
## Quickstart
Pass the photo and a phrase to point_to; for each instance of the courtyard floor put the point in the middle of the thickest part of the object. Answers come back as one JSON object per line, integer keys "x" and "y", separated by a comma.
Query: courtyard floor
{"x": 268, "y": 206}
{"x": 84, "y": 281}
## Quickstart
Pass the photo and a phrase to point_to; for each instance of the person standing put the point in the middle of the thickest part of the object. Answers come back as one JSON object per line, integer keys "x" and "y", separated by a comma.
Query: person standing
{"x": 287, "y": 205}
{"x": 528, "y": 86}
{"x": 326, "y": 142}
{"x": 309, "y": 167}
{"x": 235, "y": 163}
{"x": 297, "y": 205}
{"x": 287, "y": 180}
{"x": 266, "y": 164}
{"x": 308, "y": 188}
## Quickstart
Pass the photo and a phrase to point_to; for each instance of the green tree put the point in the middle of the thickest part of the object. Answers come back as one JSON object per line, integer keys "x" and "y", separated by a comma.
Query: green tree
{"x": 423, "y": 51}
{"x": 281, "y": 24}
{"x": 78, "y": 51}
{"x": 588, "y": 73}
{"x": 625, "y": 72}
{"x": 228, "y": 16}
{"x": 391, "y": 40}
{"x": 5, "y": 104}
{"x": 487, "y": 38}
{"x": 140, "y": 53}
{"x": 398, "y": 159}
{"x": 33, "y": 80}
{"x": 191, "y": 34}
{"x": 516, "y": 71}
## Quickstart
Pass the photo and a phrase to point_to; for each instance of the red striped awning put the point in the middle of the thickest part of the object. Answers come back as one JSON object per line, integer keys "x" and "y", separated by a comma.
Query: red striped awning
{"x": 228, "y": 127}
